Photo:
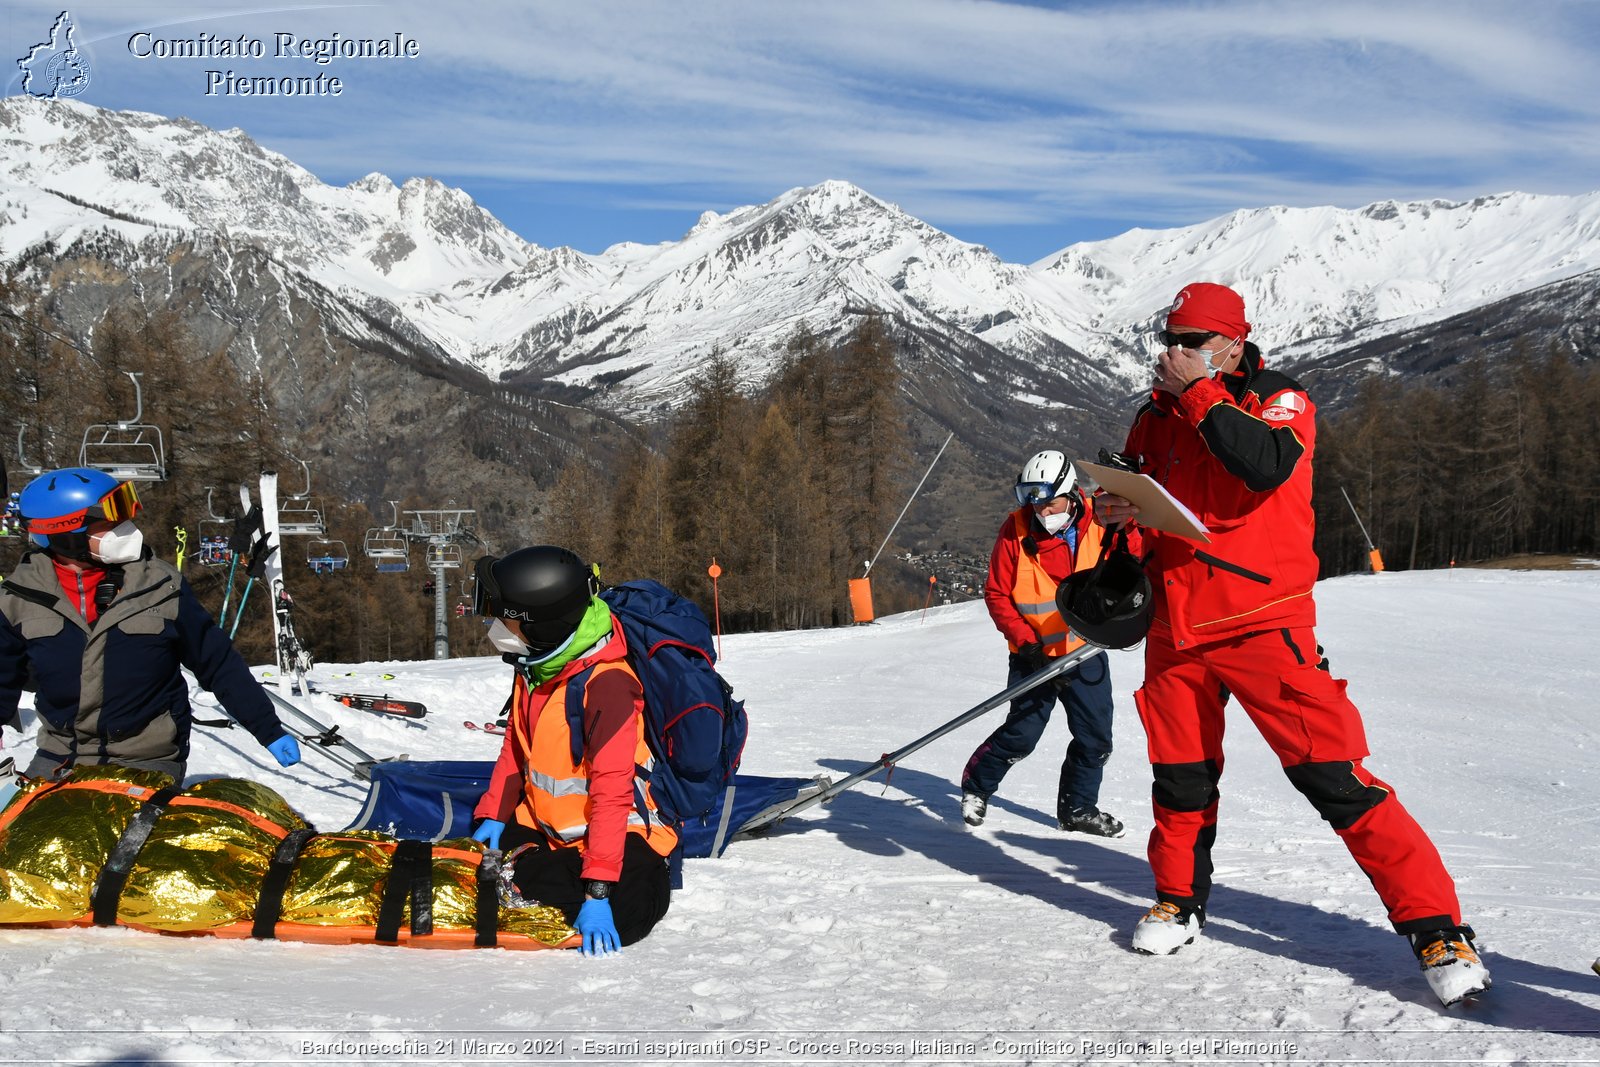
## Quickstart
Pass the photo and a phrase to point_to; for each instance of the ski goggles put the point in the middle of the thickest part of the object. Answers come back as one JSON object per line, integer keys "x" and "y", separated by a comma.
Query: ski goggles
{"x": 486, "y": 599}
{"x": 1038, "y": 492}
{"x": 119, "y": 505}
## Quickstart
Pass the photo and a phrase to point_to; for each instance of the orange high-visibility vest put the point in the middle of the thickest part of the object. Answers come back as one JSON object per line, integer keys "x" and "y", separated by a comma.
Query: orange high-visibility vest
{"x": 1033, "y": 591}
{"x": 555, "y": 795}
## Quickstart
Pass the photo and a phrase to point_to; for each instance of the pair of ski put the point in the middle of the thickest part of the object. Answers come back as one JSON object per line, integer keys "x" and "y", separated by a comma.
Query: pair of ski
{"x": 486, "y": 727}
{"x": 381, "y": 705}
{"x": 266, "y": 565}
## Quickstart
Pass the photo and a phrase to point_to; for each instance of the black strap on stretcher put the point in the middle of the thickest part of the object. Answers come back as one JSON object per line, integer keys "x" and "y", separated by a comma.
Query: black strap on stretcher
{"x": 487, "y": 918}
{"x": 269, "y": 906}
{"x": 410, "y": 879}
{"x": 113, "y": 876}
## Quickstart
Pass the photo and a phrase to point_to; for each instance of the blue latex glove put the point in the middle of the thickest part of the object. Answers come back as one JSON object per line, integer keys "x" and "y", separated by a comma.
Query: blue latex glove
{"x": 599, "y": 931}
{"x": 489, "y": 831}
{"x": 286, "y": 750}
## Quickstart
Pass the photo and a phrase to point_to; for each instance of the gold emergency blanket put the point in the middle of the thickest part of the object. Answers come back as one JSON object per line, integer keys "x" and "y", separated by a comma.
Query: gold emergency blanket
{"x": 202, "y": 867}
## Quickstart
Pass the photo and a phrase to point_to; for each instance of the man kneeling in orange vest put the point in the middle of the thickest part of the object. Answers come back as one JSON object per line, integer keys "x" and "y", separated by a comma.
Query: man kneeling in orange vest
{"x": 574, "y": 814}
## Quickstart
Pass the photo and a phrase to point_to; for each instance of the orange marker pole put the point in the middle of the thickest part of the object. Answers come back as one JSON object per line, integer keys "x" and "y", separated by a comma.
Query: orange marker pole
{"x": 925, "y": 603}
{"x": 716, "y": 605}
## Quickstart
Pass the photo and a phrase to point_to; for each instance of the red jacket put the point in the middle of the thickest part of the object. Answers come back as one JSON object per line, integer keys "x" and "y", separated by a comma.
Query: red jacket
{"x": 1236, "y": 450}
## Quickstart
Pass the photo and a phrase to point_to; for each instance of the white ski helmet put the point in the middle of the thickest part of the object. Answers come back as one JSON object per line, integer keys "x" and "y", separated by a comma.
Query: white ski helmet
{"x": 1044, "y": 477}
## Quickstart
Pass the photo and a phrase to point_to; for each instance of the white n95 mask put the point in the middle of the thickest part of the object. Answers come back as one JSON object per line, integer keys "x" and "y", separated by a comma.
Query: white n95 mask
{"x": 123, "y": 543}
{"x": 1056, "y": 523}
{"x": 501, "y": 637}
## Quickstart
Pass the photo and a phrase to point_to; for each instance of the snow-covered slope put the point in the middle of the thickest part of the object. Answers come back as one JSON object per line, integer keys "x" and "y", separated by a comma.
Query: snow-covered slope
{"x": 637, "y": 318}
{"x": 880, "y": 918}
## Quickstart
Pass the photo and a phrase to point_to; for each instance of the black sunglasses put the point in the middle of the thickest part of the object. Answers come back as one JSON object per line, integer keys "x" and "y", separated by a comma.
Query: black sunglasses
{"x": 1184, "y": 340}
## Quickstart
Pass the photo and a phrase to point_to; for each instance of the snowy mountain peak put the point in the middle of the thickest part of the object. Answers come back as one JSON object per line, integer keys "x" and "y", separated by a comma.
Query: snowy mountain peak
{"x": 376, "y": 183}
{"x": 635, "y": 319}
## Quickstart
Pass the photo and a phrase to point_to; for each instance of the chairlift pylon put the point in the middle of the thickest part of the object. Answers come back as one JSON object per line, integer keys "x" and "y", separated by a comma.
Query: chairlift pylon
{"x": 129, "y": 451}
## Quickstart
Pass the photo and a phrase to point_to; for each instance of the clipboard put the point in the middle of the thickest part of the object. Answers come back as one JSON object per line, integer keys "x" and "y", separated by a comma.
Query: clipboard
{"x": 1158, "y": 509}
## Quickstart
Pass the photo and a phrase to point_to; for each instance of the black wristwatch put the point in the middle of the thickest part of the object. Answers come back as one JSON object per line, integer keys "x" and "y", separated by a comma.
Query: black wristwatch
{"x": 597, "y": 890}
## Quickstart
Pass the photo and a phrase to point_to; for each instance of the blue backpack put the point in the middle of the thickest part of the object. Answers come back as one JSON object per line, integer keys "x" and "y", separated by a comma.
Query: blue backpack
{"x": 694, "y": 727}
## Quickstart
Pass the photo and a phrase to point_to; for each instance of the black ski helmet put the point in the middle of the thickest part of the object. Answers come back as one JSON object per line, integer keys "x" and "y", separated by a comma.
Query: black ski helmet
{"x": 544, "y": 588}
{"x": 1108, "y": 605}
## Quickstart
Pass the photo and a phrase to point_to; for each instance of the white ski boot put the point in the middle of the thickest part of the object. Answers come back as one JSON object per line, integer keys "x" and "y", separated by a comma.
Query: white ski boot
{"x": 1451, "y": 964}
{"x": 973, "y": 808}
{"x": 1166, "y": 928}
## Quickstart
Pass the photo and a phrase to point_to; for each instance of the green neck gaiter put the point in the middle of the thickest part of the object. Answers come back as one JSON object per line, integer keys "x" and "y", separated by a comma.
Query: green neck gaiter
{"x": 596, "y": 625}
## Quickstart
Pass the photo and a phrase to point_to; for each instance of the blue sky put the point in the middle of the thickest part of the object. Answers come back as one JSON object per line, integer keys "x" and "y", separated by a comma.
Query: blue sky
{"x": 1025, "y": 127}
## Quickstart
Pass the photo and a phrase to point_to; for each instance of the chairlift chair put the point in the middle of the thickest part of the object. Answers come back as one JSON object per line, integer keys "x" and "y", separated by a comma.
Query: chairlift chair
{"x": 129, "y": 451}
{"x": 10, "y": 517}
{"x": 444, "y": 555}
{"x": 297, "y": 518}
{"x": 23, "y": 466}
{"x": 215, "y": 533}
{"x": 327, "y": 555}
{"x": 296, "y": 515}
{"x": 387, "y": 547}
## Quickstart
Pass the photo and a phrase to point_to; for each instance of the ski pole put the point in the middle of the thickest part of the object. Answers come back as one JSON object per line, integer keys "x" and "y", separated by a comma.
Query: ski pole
{"x": 259, "y": 554}
{"x": 1057, "y": 666}
{"x": 238, "y": 613}
{"x": 222, "y": 619}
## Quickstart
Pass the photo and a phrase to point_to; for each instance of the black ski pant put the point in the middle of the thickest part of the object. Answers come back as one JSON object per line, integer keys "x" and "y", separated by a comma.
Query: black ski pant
{"x": 554, "y": 876}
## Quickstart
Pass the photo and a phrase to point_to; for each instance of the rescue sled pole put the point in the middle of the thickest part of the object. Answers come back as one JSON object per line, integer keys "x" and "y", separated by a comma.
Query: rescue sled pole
{"x": 327, "y": 740}
{"x": 1059, "y": 665}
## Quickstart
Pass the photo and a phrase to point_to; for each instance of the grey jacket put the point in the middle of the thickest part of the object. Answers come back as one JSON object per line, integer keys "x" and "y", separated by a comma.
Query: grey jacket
{"x": 114, "y": 692}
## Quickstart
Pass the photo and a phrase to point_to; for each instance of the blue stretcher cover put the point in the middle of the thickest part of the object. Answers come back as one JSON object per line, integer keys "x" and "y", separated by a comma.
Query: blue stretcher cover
{"x": 433, "y": 800}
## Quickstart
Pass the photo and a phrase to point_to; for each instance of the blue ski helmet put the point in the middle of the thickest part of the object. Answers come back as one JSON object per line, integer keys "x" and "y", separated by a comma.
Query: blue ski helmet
{"x": 60, "y": 504}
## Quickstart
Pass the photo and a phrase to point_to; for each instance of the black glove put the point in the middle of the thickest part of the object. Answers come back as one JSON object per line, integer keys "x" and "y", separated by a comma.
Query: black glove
{"x": 1030, "y": 657}
{"x": 1119, "y": 461}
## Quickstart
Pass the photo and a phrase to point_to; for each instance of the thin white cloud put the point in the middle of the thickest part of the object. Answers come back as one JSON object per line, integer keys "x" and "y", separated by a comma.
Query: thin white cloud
{"x": 966, "y": 112}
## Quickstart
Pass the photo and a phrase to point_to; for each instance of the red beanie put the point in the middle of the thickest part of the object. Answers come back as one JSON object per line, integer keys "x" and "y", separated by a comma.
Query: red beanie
{"x": 1210, "y": 307}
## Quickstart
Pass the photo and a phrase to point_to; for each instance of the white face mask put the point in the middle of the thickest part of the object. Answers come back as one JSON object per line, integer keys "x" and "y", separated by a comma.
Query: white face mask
{"x": 123, "y": 543}
{"x": 1056, "y": 523}
{"x": 1212, "y": 370}
{"x": 501, "y": 637}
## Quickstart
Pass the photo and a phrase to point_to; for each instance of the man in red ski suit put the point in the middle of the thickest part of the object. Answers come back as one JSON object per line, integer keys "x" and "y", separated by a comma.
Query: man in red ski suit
{"x": 1234, "y": 442}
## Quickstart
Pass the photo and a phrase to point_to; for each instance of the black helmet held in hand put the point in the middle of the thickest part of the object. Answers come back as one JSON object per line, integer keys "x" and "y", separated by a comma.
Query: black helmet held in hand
{"x": 544, "y": 588}
{"x": 1108, "y": 605}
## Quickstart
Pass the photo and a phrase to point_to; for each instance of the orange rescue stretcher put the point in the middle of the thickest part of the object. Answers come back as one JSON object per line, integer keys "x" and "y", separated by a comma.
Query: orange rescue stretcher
{"x": 113, "y": 846}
